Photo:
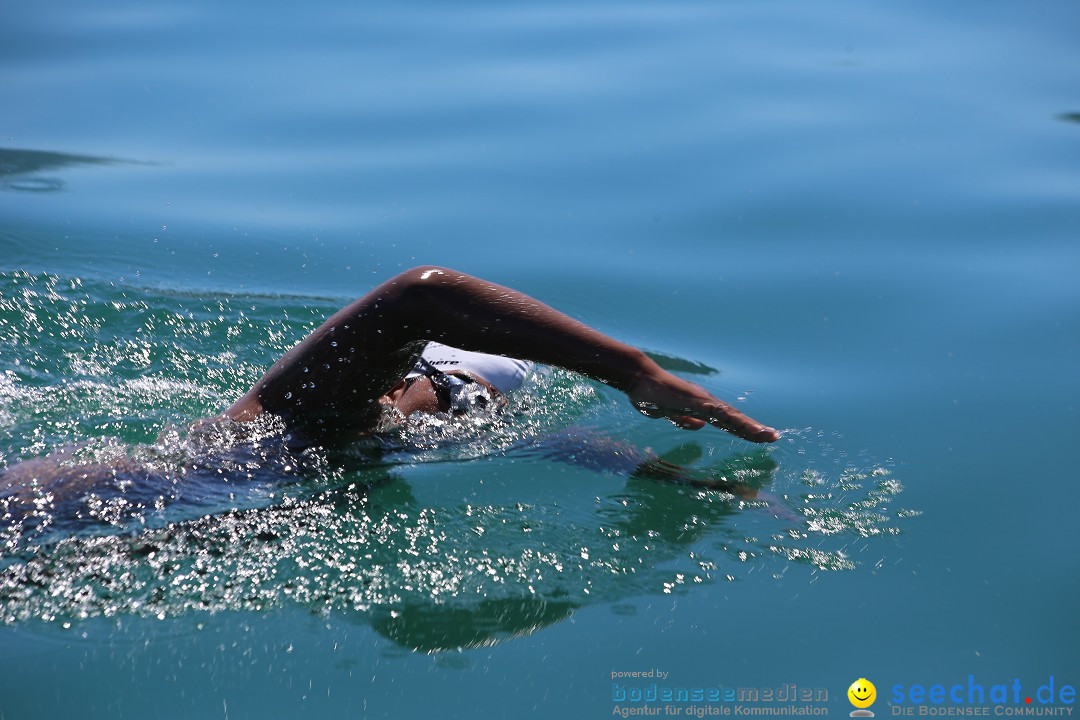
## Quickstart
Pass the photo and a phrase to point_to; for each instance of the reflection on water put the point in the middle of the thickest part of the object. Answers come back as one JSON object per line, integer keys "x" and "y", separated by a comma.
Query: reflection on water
{"x": 369, "y": 549}
{"x": 358, "y": 534}
{"x": 18, "y": 168}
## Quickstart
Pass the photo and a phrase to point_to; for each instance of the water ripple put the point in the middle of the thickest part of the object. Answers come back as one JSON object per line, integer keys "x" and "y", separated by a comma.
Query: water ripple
{"x": 443, "y": 534}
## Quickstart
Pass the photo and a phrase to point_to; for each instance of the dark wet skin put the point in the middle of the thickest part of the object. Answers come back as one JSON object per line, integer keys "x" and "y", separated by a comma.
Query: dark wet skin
{"x": 331, "y": 387}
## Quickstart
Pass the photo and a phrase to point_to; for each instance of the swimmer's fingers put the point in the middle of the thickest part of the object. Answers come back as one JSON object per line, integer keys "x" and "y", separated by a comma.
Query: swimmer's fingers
{"x": 662, "y": 395}
{"x": 727, "y": 418}
{"x": 688, "y": 423}
{"x": 722, "y": 416}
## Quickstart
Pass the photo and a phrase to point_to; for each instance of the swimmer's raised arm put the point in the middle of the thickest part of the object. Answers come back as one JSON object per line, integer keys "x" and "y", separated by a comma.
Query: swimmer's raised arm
{"x": 330, "y": 384}
{"x": 474, "y": 314}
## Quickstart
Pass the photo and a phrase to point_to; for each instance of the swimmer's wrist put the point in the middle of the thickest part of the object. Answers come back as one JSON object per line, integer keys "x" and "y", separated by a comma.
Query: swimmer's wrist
{"x": 638, "y": 367}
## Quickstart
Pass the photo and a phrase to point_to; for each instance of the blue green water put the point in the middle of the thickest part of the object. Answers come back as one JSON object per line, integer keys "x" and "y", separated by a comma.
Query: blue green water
{"x": 863, "y": 217}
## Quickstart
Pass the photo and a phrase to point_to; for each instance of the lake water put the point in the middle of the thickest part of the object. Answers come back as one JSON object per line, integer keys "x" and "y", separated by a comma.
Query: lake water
{"x": 857, "y": 222}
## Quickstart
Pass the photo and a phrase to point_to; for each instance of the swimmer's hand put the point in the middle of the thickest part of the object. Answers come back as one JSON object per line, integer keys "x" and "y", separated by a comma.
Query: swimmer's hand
{"x": 659, "y": 394}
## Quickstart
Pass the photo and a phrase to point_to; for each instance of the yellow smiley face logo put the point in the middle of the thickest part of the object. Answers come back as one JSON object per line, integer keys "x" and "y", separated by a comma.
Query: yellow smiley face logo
{"x": 862, "y": 693}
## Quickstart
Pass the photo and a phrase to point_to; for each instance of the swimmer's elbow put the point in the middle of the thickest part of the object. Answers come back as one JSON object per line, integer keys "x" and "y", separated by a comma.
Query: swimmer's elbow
{"x": 425, "y": 289}
{"x": 425, "y": 275}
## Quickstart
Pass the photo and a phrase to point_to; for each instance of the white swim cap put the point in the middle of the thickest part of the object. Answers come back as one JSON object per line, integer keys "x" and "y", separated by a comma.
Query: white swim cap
{"x": 506, "y": 374}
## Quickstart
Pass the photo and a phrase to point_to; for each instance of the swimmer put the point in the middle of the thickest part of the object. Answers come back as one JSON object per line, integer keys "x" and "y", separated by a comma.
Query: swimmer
{"x": 385, "y": 354}
{"x": 430, "y": 340}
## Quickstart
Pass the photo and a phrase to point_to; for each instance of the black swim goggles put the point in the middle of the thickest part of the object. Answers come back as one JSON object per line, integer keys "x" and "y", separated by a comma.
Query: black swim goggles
{"x": 460, "y": 393}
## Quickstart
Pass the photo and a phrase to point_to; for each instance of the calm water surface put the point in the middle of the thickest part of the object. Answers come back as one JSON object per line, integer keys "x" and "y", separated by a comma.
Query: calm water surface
{"x": 858, "y": 223}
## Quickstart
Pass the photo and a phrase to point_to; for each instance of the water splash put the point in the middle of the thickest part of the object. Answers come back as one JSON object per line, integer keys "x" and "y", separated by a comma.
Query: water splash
{"x": 116, "y": 373}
